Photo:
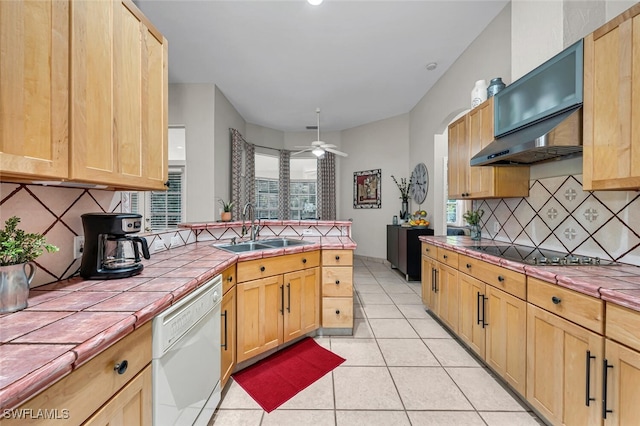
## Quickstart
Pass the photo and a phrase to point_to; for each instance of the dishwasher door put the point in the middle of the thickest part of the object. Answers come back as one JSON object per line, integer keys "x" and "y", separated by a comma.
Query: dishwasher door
{"x": 186, "y": 358}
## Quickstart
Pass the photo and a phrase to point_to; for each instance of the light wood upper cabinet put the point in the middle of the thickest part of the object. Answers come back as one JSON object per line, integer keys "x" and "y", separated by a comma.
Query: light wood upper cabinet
{"x": 118, "y": 96}
{"x": 34, "y": 89}
{"x": 611, "y": 157}
{"x": 467, "y": 136}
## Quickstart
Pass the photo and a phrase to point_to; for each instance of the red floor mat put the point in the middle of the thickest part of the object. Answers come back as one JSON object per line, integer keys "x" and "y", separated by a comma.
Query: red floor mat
{"x": 277, "y": 378}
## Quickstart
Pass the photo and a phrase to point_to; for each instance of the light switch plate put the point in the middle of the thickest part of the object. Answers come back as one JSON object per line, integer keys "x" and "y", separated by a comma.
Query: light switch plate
{"x": 78, "y": 246}
{"x": 496, "y": 227}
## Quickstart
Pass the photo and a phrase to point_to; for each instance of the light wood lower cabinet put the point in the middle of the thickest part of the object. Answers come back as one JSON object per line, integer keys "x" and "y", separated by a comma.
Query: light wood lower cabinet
{"x": 96, "y": 392}
{"x": 622, "y": 390}
{"x": 506, "y": 350}
{"x": 447, "y": 294}
{"x": 428, "y": 281}
{"x": 302, "y": 298}
{"x": 472, "y": 319}
{"x": 228, "y": 335}
{"x": 337, "y": 290}
{"x": 564, "y": 369}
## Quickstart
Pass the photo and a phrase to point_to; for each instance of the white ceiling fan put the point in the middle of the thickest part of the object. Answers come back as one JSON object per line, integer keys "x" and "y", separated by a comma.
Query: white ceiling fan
{"x": 318, "y": 148}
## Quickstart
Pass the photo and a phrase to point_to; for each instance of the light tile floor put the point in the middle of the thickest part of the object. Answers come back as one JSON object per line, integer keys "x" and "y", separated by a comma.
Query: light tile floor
{"x": 402, "y": 368}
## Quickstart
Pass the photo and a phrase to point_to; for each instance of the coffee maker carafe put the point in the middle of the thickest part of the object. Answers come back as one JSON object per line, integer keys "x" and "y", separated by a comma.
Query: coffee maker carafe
{"x": 110, "y": 251}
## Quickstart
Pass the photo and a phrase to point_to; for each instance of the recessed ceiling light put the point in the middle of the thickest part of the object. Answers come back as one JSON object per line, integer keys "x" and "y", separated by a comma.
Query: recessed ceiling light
{"x": 314, "y": 2}
{"x": 431, "y": 66}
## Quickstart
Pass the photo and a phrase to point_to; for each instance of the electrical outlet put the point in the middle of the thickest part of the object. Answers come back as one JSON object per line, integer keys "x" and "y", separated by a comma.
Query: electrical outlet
{"x": 307, "y": 232}
{"x": 78, "y": 246}
{"x": 175, "y": 241}
{"x": 496, "y": 227}
{"x": 159, "y": 244}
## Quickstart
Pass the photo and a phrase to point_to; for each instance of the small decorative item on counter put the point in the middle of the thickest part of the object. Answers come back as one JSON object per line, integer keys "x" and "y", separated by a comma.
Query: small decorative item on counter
{"x": 495, "y": 86}
{"x": 479, "y": 93}
{"x": 472, "y": 217}
{"x": 18, "y": 250}
{"x": 404, "y": 188}
{"x": 225, "y": 216}
{"x": 395, "y": 219}
{"x": 419, "y": 219}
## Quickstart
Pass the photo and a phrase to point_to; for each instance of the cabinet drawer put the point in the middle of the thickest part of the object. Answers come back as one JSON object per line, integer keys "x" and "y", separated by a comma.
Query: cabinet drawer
{"x": 88, "y": 387}
{"x": 337, "y": 312}
{"x": 267, "y": 267}
{"x": 623, "y": 325}
{"x": 228, "y": 278}
{"x": 506, "y": 280}
{"x": 429, "y": 250}
{"x": 579, "y": 308}
{"x": 337, "y": 257}
{"x": 448, "y": 257}
{"x": 337, "y": 281}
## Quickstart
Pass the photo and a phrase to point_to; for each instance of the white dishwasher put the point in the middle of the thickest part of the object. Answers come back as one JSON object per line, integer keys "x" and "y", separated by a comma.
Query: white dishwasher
{"x": 186, "y": 358}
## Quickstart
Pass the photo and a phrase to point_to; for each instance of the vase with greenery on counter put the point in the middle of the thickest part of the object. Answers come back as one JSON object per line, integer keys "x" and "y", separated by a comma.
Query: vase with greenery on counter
{"x": 472, "y": 217}
{"x": 225, "y": 215}
{"x": 18, "y": 250}
{"x": 404, "y": 186}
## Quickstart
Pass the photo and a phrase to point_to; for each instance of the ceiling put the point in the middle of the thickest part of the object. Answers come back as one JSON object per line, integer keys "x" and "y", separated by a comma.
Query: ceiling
{"x": 277, "y": 61}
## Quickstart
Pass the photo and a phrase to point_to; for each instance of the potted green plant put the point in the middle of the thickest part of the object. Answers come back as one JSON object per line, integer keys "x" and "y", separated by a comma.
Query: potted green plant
{"x": 405, "y": 188}
{"x": 18, "y": 250}
{"x": 225, "y": 216}
{"x": 472, "y": 217}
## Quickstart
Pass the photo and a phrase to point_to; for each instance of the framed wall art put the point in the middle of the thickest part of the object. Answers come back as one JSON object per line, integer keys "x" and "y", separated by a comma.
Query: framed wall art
{"x": 366, "y": 189}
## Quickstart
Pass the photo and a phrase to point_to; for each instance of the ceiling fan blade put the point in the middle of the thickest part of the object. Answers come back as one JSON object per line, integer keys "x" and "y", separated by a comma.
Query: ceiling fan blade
{"x": 344, "y": 154}
{"x": 304, "y": 147}
{"x": 328, "y": 145}
{"x": 300, "y": 152}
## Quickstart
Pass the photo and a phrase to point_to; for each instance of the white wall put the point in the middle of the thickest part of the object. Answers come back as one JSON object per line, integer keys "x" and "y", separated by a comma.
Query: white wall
{"x": 382, "y": 145}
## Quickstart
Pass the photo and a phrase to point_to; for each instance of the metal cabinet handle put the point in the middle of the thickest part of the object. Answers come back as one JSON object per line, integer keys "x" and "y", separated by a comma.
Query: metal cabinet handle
{"x": 436, "y": 280}
{"x": 500, "y": 278}
{"x": 230, "y": 278}
{"x": 337, "y": 257}
{"x": 262, "y": 268}
{"x": 121, "y": 367}
{"x": 484, "y": 313}
{"x": 588, "y": 398}
{"x": 304, "y": 260}
{"x": 282, "y": 299}
{"x": 444, "y": 256}
{"x": 605, "y": 374}
{"x": 337, "y": 281}
{"x": 468, "y": 266}
{"x": 337, "y": 311}
{"x": 426, "y": 249}
{"x": 226, "y": 340}
{"x": 433, "y": 279}
{"x": 556, "y": 300}
{"x": 478, "y": 308}
{"x": 288, "y": 297}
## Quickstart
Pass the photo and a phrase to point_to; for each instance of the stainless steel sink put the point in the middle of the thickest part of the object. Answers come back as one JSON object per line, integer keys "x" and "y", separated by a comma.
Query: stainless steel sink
{"x": 260, "y": 245}
{"x": 243, "y": 247}
{"x": 283, "y": 242}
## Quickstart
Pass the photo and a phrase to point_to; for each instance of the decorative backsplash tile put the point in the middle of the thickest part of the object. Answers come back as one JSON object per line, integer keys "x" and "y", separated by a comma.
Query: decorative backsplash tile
{"x": 559, "y": 215}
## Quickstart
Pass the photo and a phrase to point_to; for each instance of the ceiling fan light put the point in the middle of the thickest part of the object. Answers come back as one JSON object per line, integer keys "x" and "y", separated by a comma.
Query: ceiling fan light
{"x": 318, "y": 152}
{"x": 314, "y": 2}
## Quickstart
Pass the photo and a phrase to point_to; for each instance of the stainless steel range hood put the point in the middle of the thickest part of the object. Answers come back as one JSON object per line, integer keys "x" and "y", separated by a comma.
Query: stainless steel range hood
{"x": 556, "y": 136}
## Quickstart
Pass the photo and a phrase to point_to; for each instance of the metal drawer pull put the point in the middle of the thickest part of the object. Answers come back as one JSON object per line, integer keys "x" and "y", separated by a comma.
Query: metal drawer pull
{"x": 337, "y": 257}
{"x": 337, "y": 311}
{"x": 230, "y": 278}
{"x": 427, "y": 250}
{"x": 304, "y": 260}
{"x": 288, "y": 297}
{"x": 605, "y": 371}
{"x": 478, "y": 308}
{"x": 337, "y": 281}
{"x": 500, "y": 278}
{"x": 588, "y": 398}
{"x": 444, "y": 256}
{"x": 262, "y": 268}
{"x": 121, "y": 367}
{"x": 468, "y": 266}
{"x": 556, "y": 300}
{"x": 282, "y": 299}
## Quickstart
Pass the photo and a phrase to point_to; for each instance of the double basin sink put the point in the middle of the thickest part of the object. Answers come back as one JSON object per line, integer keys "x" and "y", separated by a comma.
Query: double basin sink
{"x": 261, "y": 245}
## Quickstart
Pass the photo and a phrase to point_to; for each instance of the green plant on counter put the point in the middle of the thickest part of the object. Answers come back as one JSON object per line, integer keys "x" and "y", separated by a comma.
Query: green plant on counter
{"x": 472, "y": 217}
{"x": 17, "y": 246}
{"x": 226, "y": 206}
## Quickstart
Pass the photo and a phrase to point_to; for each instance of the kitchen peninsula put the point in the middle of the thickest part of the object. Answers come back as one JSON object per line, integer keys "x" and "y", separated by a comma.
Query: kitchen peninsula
{"x": 70, "y": 324}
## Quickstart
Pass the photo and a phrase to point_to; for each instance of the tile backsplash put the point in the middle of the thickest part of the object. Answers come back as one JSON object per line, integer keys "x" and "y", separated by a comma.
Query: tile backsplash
{"x": 559, "y": 215}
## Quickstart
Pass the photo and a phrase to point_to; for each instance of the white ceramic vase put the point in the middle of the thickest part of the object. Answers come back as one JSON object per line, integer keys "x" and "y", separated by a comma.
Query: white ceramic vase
{"x": 479, "y": 93}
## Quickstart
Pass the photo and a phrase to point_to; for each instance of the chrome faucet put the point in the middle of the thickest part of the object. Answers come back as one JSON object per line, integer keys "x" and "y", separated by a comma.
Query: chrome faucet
{"x": 255, "y": 229}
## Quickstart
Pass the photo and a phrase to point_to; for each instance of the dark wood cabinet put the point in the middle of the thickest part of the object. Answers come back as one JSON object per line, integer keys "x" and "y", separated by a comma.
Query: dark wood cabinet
{"x": 403, "y": 249}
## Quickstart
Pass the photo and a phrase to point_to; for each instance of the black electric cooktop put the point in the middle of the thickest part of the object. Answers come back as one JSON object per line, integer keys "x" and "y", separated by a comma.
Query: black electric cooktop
{"x": 540, "y": 256}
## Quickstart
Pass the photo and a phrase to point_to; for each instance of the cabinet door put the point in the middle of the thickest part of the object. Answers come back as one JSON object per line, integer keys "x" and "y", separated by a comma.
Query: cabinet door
{"x": 228, "y": 335}
{"x": 428, "y": 276}
{"x": 302, "y": 303}
{"x": 471, "y": 327}
{"x": 506, "y": 328}
{"x": 559, "y": 354}
{"x": 130, "y": 406}
{"x": 611, "y": 156}
{"x": 34, "y": 88}
{"x": 623, "y": 391}
{"x": 448, "y": 294}
{"x": 260, "y": 308}
{"x": 118, "y": 90}
{"x": 480, "y": 135}
{"x": 458, "y": 159}
{"x": 393, "y": 245}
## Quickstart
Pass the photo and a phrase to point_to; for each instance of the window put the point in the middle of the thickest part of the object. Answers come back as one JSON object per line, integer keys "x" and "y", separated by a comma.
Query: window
{"x": 161, "y": 209}
{"x": 455, "y": 210}
{"x": 266, "y": 198}
{"x": 303, "y": 191}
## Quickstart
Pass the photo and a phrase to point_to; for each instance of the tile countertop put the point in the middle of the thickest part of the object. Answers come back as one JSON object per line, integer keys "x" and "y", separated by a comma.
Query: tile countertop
{"x": 619, "y": 284}
{"x": 69, "y": 322}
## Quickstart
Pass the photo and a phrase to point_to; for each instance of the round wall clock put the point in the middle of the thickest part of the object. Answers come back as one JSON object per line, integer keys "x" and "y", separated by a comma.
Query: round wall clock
{"x": 419, "y": 183}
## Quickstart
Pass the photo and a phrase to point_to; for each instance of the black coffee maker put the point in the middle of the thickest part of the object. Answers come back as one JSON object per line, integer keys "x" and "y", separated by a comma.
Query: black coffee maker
{"x": 109, "y": 249}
